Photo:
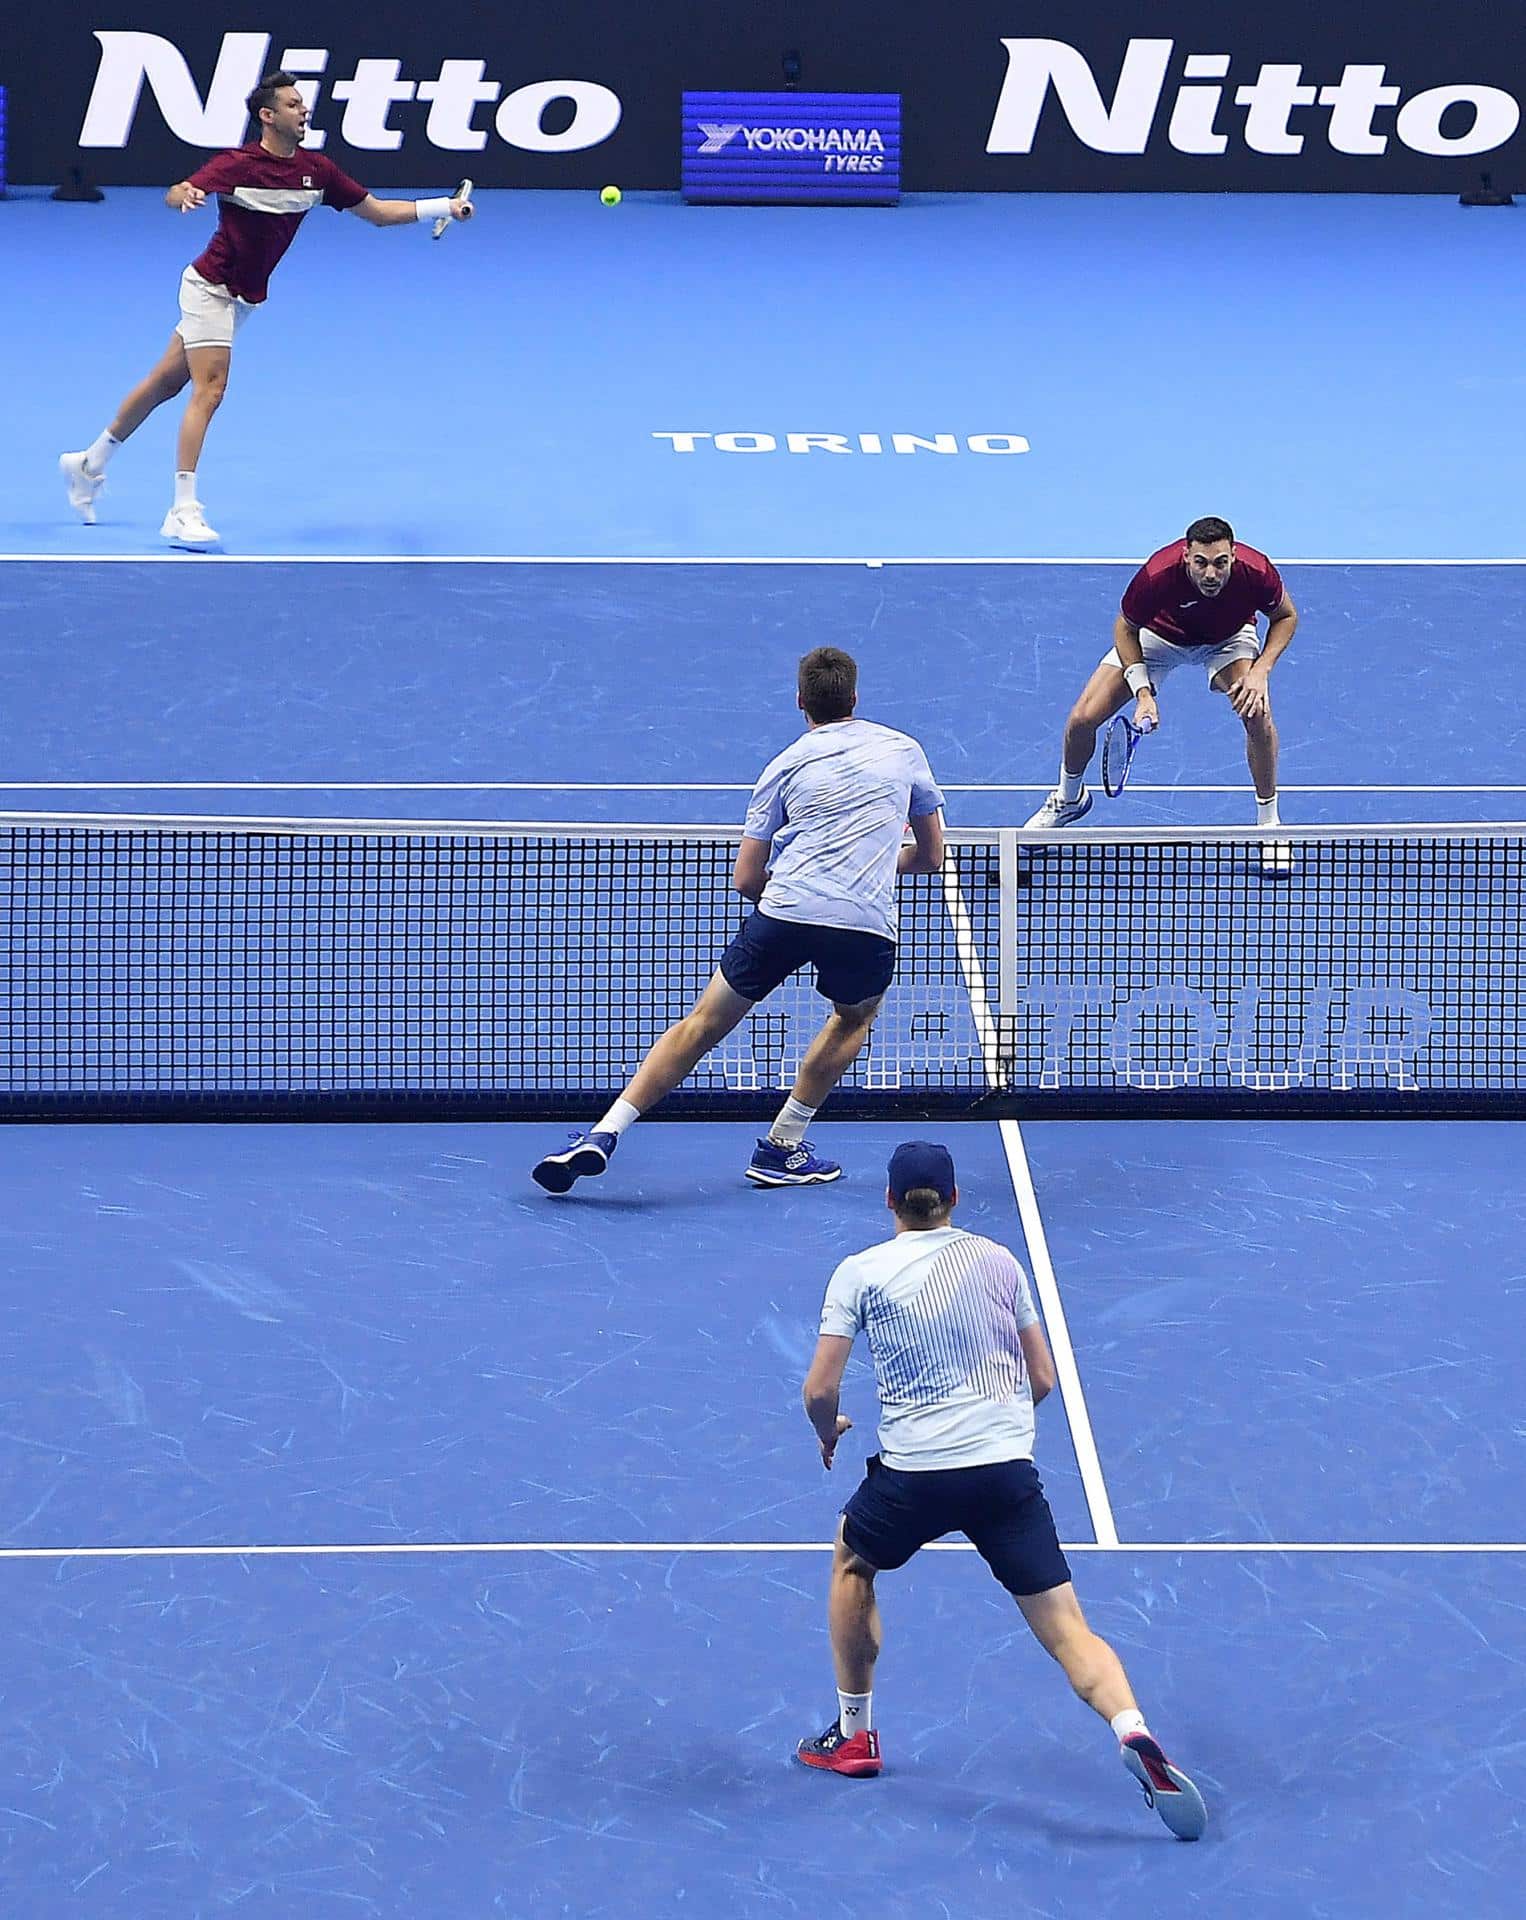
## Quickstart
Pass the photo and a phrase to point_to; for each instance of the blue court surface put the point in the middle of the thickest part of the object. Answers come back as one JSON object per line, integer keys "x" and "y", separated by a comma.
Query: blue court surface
{"x": 380, "y": 1537}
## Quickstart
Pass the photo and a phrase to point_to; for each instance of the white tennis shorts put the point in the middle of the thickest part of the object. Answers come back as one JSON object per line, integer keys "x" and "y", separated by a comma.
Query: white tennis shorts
{"x": 1163, "y": 657}
{"x": 209, "y": 316}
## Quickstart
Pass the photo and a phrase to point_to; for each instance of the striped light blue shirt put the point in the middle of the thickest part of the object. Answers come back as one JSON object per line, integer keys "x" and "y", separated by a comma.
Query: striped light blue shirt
{"x": 835, "y": 805}
{"x": 942, "y": 1310}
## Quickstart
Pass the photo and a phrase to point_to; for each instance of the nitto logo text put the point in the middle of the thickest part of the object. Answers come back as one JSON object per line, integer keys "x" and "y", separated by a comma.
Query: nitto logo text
{"x": 131, "y": 61}
{"x": 1280, "y": 109}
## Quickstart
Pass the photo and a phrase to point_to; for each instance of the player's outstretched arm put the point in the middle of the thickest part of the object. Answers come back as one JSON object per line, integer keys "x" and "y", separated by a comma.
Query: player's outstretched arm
{"x": 405, "y": 213}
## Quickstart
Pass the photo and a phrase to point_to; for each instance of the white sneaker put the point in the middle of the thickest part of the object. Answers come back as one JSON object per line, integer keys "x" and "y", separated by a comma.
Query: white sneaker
{"x": 84, "y": 486}
{"x": 1057, "y": 811}
{"x": 187, "y": 527}
{"x": 1276, "y": 860}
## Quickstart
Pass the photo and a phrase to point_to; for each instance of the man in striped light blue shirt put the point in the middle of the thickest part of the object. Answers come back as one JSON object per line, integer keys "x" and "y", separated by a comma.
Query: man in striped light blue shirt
{"x": 960, "y": 1361}
{"x": 821, "y": 853}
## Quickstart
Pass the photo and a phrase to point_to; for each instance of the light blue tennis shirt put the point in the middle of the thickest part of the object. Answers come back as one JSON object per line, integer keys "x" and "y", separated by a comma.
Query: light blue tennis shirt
{"x": 943, "y": 1310}
{"x": 835, "y": 805}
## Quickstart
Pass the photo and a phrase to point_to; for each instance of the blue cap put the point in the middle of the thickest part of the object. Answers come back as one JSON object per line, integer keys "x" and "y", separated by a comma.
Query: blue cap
{"x": 920, "y": 1163}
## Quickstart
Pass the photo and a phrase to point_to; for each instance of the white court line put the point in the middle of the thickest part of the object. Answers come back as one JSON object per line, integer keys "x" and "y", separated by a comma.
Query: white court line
{"x": 161, "y": 558}
{"x": 1066, "y": 1370}
{"x": 330, "y": 1550}
{"x": 624, "y": 786}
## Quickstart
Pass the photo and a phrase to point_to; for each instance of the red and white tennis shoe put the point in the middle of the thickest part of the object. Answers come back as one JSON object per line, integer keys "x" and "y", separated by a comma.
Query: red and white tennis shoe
{"x": 1166, "y": 1788}
{"x": 834, "y": 1752}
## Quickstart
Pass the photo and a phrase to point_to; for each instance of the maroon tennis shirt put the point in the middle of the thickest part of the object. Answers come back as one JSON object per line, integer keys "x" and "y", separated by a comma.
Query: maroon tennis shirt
{"x": 1164, "y": 597}
{"x": 262, "y": 200}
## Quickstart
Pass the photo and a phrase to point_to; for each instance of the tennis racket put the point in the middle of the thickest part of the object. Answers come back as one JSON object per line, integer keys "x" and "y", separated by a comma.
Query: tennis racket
{"x": 463, "y": 192}
{"x": 1118, "y": 745}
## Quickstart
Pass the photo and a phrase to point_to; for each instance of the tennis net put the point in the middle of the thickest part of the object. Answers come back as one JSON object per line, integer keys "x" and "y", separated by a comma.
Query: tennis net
{"x": 206, "y": 968}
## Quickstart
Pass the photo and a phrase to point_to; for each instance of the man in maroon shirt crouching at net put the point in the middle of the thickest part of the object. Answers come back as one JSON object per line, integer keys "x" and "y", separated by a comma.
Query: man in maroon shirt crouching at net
{"x": 265, "y": 190}
{"x": 1192, "y": 604}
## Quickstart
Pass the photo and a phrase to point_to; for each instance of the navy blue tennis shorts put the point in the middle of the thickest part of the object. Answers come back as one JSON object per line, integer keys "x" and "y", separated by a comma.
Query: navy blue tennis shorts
{"x": 851, "y": 966}
{"x": 1000, "y": 1509}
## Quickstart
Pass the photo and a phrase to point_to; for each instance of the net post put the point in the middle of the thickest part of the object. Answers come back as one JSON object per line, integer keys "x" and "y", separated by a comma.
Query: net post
{"x": 1006, "y": 927}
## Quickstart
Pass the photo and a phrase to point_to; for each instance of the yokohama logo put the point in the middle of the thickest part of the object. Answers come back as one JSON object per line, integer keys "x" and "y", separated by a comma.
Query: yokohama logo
{"x": 369, "y": 93}
{"x": 1358, "y": 113}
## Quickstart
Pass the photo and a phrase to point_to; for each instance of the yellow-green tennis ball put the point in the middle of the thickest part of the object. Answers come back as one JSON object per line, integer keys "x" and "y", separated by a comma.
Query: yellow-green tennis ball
{"x": 610, "y": 196}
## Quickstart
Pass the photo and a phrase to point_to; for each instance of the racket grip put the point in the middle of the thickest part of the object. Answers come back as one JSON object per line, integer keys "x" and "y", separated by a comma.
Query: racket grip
{"x": 463, "y": 192}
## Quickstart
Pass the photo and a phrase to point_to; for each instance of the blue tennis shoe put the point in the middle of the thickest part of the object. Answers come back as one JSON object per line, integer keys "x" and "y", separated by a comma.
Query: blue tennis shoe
{"x": 588, "y": 1154}
{"x": 775, "y": 1165}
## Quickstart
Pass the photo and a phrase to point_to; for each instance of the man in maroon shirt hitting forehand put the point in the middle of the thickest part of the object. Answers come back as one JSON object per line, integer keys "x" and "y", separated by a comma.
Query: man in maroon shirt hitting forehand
{"x": 265, "y": 190}
{"x": 1193, "y": 603}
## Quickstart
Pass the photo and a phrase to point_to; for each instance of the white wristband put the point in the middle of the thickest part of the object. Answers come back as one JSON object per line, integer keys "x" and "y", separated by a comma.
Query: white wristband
{"x": 1138, "y": 678}
{"x": 431, "y": 209}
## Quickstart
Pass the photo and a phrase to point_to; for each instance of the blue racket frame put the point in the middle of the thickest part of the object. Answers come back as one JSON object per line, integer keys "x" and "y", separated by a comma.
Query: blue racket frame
{"x": 1118, "y": 745}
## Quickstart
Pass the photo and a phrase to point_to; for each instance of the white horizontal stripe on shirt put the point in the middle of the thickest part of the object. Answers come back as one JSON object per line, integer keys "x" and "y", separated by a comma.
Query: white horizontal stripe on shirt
{"x": 275, "y": 199}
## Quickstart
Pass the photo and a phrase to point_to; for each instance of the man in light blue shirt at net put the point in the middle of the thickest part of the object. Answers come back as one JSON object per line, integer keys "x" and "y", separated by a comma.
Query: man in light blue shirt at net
{"x": 822, "y": 849}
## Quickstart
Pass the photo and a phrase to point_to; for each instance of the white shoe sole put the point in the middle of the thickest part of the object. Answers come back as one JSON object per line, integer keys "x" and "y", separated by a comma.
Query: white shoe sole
{"x": 1183, "y": 1811}
{"x": 558, "y": 1172}
{"x": 760, "y": 1178}
{"x": 170, "y": 532}
{"x": 1276, "y": 860}
{"x": 1043, "y": 822}
{"x": 73, "y": 477}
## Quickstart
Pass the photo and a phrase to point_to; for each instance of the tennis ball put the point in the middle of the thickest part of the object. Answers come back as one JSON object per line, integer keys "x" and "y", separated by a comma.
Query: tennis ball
{"x": 610, "y": 196}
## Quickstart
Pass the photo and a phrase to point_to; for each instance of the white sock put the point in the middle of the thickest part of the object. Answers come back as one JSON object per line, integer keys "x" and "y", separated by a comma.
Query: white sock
{"x": 185, "y": 490}
{"x": 855, "y": 1712}
{"x": 100, "y": 450}
{"x": 621, "y": 1115}
{"x": 789, "y": 1129}
{"x": 1071, "y": 783}
{"x": 1131, "y": 1720}
{"x": 1266, "y": 812}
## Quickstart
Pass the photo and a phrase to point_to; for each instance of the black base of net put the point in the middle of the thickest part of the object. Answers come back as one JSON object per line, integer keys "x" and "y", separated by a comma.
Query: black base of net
{"x": 411, "y": 1106}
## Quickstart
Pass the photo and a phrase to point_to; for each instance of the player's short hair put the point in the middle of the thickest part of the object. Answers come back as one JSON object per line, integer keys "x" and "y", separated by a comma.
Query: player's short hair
{"x": 265, "y": 93}
{"x": 923, "y": 1207}
{"x": 828, "y": 683}
{"x": 1203, "y": 533}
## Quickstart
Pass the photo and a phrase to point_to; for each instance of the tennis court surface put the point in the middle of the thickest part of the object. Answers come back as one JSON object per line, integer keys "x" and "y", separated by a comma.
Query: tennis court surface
{"x": 379, "y": 1536}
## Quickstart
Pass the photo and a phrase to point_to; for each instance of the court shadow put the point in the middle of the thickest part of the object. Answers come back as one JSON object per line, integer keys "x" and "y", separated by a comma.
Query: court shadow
{"x": 1009, "y": 1814}
{"x": 615, "y": 1203}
